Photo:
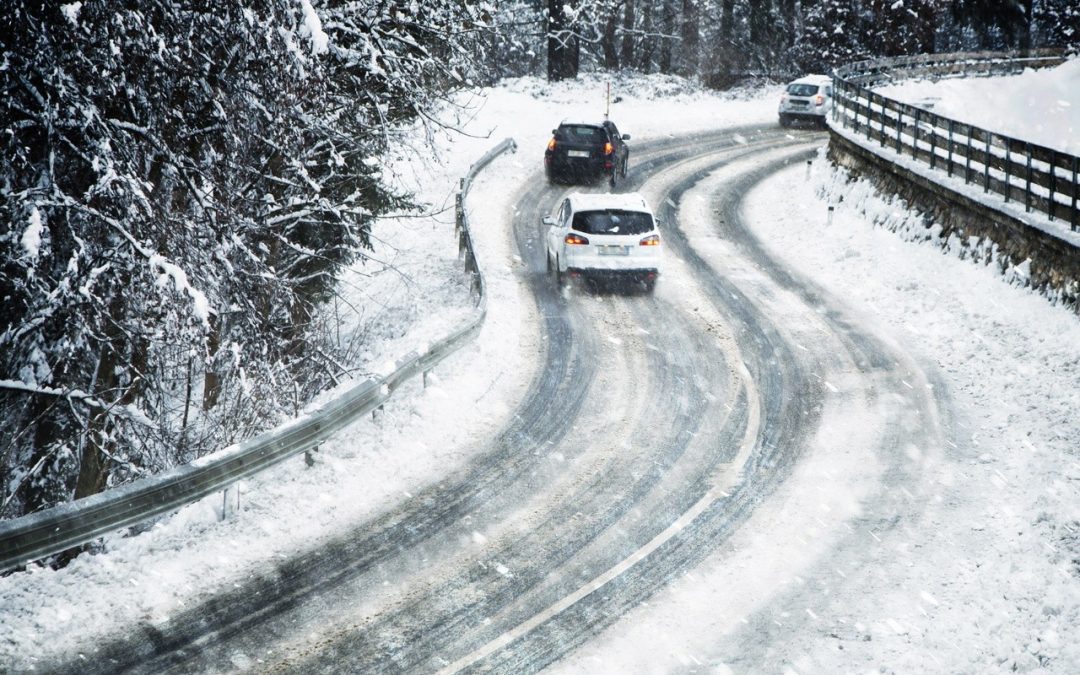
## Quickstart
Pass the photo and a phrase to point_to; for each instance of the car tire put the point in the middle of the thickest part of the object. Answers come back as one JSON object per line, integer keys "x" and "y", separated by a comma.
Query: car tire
{"x": 785, "y": 121}
{"x": 625, "y": 162}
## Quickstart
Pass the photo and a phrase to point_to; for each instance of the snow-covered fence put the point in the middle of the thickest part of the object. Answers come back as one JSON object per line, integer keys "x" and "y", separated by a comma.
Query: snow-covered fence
{"x": 1040, "y": 178}
{"x": 57, "y": 529}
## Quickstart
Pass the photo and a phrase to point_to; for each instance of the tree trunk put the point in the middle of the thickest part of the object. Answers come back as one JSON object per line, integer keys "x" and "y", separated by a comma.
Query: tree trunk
{"x": 759, "y": 23}
{"x": 608, "y": 42}
{"x": 629, "y": 18}
{"x": 667, "y": 27}
{"x": 648, "y": 42}
{"x": 562, "y": 45}
{"x": 691, "y": 38}
{"x": 1025, "y": 28}
{"x": 211, "y": 378}
{"x": 727, "y": 21}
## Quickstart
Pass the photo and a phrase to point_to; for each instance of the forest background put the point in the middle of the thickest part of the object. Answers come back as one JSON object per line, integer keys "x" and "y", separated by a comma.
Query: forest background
{"x": 182, "y": 183}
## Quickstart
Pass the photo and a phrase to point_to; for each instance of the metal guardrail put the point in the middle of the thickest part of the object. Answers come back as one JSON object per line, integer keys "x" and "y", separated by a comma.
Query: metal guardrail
{"x": 57, "y": 529}
{"x": 1043, "y": 179}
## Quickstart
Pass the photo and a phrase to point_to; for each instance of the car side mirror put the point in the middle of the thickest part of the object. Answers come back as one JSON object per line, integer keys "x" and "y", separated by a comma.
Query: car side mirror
{"x": 626, "y": 137}
{"x": 547, "y": 220}
{"x": 553, "y": 131}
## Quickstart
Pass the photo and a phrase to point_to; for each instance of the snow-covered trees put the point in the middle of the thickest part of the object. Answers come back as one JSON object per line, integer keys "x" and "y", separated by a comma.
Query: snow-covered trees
{"x": 723, "y": 41}
{"x": 182, "y": 181}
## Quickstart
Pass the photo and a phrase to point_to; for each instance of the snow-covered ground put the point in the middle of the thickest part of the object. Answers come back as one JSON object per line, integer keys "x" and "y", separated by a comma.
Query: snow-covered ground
{"x": 989, "y": 579}
{"x": 1040, "y": 106}
{"x": 1011, "y": 361}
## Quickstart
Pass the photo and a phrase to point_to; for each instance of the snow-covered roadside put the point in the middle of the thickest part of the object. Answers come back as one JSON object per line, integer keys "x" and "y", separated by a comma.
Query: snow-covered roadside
{"x": 988, "y": 579}
{"x": 994, "y": 583}
{"x": 1038, "y": 106}
{"x": 411, "y": 293}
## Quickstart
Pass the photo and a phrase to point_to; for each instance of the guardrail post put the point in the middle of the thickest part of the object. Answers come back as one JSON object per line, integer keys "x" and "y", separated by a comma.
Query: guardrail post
{"x": 933, "y": 141}
{"x": 915, "y": 135}
{"x": 1053, "y": 182}
{"x": 949, "y": 165}
{"x": 1008, "y": 176}
{"x": 855, "y": 125}
{"x": 899, "y": 126}
{"x": 986, "y": 164}
{"x": 869, "y": 111}
{"x": 967, "y": 160}
{"x": 1027, "y": 186}
{"x": 1075, "y": 166}
{"x": 883, "y": 122}
{"x": 459, "y": 208}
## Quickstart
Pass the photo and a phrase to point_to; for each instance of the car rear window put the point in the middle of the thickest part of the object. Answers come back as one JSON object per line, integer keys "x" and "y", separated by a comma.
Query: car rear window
{"x": 581, "y": 132}
{"x": 613, "y": 221}
{"x": 802, "y": 89}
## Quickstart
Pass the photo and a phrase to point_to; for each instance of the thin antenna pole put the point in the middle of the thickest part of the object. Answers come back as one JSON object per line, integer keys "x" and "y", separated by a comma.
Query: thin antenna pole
{"x": 607, "y": 102}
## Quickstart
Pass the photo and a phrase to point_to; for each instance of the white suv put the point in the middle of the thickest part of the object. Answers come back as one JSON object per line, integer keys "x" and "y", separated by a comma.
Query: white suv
{"x": 604, "y": 236}
{"x": 807, "y": 98}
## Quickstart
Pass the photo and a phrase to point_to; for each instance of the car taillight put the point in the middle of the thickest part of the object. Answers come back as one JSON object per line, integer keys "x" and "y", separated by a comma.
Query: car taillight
{"x": 551, "y": 144}
{"x": 819, "y": 99}
{"x": 608, "y": 148}
{"x": 651, "y": 240}
{"x": 575, "y": 239}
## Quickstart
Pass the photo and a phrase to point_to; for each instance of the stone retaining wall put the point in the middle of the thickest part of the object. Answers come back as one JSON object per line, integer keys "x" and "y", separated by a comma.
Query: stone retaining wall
{"x": 1053, "y": 264}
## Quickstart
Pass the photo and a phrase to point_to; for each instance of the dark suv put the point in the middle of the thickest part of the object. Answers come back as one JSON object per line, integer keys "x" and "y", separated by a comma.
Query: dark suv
{"x": 584, "y": 151}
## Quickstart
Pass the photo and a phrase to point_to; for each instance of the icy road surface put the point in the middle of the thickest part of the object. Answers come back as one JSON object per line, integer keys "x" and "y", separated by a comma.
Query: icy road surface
{"x": 658, "y": 432}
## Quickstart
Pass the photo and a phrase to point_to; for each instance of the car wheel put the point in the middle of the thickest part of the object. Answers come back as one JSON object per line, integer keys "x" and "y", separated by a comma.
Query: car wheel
{"x": 560, "y": 278}
{"x": 784, "y": 121}
{"x": 625, "y": 162}
{"x": 613, "y": 180}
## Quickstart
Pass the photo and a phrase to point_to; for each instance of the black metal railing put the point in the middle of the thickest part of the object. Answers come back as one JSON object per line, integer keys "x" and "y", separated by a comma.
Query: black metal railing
{"x": 1042, "y": 179}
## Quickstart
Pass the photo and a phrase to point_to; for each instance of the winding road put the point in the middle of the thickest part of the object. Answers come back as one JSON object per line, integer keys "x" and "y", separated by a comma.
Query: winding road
{"x": 655, "y": 429}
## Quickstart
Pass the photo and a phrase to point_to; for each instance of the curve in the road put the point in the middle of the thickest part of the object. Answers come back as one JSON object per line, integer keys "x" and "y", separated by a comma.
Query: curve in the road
{"x": 666, "y": 439}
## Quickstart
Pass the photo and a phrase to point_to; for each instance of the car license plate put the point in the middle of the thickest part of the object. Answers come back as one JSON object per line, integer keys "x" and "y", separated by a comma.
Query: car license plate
{"x": 577, "y": 153}
{"x": 611, "y": 249}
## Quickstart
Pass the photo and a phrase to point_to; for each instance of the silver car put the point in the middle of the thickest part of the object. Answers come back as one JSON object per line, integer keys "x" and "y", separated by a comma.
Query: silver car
{"x": 808, "y": 99}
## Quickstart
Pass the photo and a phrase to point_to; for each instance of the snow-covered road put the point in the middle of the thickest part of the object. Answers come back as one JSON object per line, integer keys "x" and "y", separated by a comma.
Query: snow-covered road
{"x": 817, "y": 448}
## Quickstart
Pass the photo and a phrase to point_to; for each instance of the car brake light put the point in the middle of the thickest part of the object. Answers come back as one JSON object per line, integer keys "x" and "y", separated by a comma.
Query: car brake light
{"x": 651, "y": 240}
{"x": 819, "y": 99}
{"x": 551, "y": 144}
{"x": 608, "y": 148}
{"x": 575, "y": 239}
